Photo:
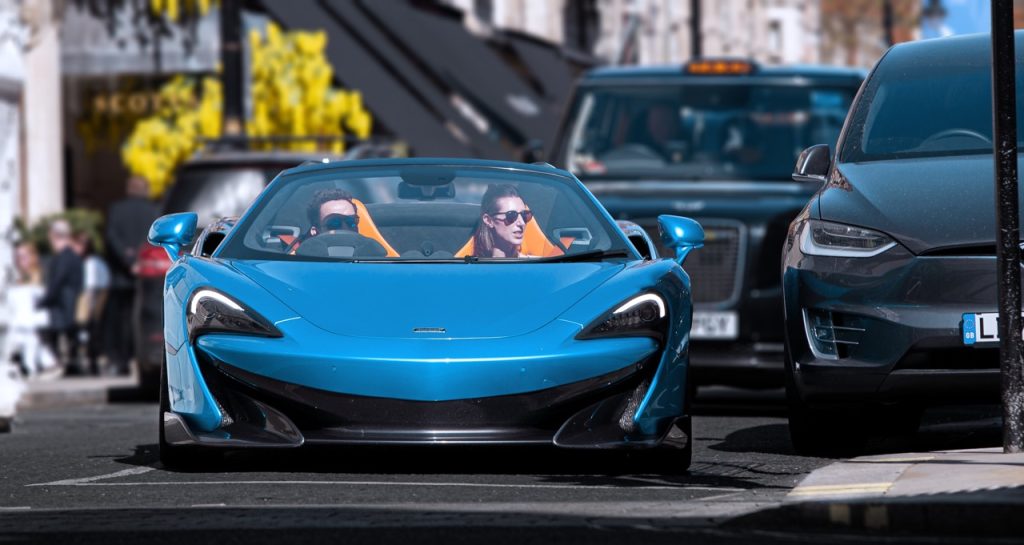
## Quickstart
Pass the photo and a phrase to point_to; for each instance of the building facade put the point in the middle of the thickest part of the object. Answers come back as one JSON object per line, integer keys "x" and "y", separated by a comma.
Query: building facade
{"x": 661, "y": 31}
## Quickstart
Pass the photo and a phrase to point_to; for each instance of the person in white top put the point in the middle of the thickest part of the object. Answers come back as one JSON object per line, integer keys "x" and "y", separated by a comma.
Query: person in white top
{"x": 26, "y": 319}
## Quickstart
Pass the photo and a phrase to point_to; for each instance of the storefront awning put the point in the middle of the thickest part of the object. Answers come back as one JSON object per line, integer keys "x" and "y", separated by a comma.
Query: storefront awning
{"x": 359, "y": 61}
{"x": 437, "y": 41}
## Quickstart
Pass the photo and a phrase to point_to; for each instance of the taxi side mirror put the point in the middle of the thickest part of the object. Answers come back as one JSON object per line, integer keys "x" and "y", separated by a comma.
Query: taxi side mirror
{"x": 813, "y": 164}
{"x": 173, "y": 232}
{"x": 681, "y": 234}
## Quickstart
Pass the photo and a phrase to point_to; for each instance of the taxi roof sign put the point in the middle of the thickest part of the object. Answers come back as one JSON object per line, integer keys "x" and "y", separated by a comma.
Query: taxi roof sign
{"x": 720, "y": 67}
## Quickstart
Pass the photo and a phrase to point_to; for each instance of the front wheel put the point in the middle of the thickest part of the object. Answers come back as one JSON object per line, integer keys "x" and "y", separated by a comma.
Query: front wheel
{"x": 175, "y": 456}
{"x": 822, "y": 432}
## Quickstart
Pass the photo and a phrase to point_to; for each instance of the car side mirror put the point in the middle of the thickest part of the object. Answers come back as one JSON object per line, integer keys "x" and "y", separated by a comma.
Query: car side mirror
{"x": 533, "y": 151}
{"x": 681, "y": 234}
{"x": 636, "y": 235}
{"x": 173, "y": 232}
{"x": 813, "y": 164}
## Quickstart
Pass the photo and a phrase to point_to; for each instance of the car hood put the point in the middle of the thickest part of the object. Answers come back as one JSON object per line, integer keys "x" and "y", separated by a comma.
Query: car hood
{"x": 925, "y": 204}
{"x": 465, "y": 300}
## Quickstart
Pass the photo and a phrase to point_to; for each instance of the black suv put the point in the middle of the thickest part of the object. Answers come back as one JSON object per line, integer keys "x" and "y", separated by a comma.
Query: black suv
{"x": 714, "y": 140}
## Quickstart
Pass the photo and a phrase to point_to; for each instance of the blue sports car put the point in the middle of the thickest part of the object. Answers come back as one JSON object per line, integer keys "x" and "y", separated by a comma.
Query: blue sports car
{"x": 424, "y": 301}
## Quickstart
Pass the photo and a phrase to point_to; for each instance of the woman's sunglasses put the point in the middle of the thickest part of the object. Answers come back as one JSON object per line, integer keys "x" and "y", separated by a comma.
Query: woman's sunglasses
{"x": 512, "y": 215}
{"x": 338, "y": 222}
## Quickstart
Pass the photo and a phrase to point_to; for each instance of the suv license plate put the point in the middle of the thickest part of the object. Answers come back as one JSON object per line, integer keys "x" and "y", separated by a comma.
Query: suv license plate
{"x": 981, "y": 328}
{"x": 724, "y": 325}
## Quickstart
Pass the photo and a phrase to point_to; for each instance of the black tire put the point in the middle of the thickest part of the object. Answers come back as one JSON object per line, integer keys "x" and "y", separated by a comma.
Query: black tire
{"x": 179, "y": 457}
{"x": 823, "y": 432}
{"x": 150, "y": 382}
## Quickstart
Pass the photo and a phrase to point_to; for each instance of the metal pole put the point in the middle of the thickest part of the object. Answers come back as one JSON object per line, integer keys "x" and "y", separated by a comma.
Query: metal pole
{"x": 1004, "y": 131}
{"x": 231, "y": 63}
{"x": 887, "y": 23}
{"x": 696, "y": 40}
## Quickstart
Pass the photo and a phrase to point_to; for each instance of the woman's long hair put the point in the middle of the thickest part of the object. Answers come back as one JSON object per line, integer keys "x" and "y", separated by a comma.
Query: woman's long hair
{"x": 483, "y": 238}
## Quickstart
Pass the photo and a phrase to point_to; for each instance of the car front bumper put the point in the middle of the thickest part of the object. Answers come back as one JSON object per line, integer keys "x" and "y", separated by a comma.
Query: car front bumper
{"x": 237, "y": 391}
{"x": 896, "y": 323}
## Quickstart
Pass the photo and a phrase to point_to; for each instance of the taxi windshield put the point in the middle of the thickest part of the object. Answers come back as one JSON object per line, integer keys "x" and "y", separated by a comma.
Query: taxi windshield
{"x": 701, "y": 131}
{"x": 424, "y": 213}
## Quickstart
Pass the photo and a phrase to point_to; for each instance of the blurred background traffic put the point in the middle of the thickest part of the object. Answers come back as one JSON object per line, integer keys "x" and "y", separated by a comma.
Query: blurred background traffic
{"x": 115, "y": 111}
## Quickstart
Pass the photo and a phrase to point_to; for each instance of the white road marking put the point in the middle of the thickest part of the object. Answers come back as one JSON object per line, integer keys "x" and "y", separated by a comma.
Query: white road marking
{"x": 841, "y": 489}
{"x": 18, "y": 508}
{"x": 89, "y": 480}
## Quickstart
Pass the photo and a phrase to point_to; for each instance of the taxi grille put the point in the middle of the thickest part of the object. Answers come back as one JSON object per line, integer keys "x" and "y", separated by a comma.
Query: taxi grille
{"x": 714, "y": 269}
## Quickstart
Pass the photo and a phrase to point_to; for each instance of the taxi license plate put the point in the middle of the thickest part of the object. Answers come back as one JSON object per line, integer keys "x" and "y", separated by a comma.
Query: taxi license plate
{"x": 720, "y": 325}
{"x": 981, "y": 328}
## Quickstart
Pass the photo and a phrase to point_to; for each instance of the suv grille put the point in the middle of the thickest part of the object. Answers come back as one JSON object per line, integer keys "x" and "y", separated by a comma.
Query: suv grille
{"x": 713, "y": 269}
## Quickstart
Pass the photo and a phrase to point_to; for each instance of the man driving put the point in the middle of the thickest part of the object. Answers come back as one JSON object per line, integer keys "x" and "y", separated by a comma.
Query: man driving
{"x": 332, "y": 209}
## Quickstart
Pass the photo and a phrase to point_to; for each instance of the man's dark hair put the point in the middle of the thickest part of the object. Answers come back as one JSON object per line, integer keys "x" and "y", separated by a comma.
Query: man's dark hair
{"x": 324, "y": 196}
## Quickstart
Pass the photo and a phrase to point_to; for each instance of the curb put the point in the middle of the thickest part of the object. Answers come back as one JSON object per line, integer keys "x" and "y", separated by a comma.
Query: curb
{"x": 78, "y": 392}
{"x": 942, "y": 515}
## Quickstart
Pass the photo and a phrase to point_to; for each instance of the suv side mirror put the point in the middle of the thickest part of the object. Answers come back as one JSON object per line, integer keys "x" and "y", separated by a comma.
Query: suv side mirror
{"x": 533, "y": 152}
{"x": 681, "y": 234}
{"x": 173, "y": 231}
{"x": 813, "y": 164}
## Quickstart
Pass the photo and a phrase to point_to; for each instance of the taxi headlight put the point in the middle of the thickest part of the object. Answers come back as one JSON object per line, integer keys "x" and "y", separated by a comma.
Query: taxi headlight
{"x": 642, "y": 316}
{"x": 210, "y": 311}
{"x": 825, "y": 238}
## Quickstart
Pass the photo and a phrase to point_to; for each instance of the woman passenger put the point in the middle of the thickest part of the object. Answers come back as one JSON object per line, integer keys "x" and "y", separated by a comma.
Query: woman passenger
{"x": 503, "y": 219}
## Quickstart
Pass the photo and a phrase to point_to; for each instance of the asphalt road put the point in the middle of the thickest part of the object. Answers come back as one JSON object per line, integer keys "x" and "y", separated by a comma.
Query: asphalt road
{"x": 91, "y": 475}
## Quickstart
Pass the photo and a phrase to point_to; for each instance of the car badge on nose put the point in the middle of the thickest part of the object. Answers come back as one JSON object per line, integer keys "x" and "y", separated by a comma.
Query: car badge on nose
{"x": 429, "y": 330}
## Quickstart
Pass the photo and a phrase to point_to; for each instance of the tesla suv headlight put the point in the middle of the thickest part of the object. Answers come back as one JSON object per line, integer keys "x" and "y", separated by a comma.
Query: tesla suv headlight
{"x": 825, "y": 238}
{"x": 211, "y": 311}
{"x": 642, "y": 316}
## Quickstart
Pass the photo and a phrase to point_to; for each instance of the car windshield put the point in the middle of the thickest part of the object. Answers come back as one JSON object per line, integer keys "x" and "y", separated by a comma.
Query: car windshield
{"x": 424, "y": 213}
{"x": 706, "y": 131}
{"x": 926, "y": 106}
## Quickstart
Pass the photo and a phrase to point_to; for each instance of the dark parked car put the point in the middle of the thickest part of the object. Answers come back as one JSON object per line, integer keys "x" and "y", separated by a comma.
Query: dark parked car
{"x": 714, "y": 141}
{"x": 889, "y": 272}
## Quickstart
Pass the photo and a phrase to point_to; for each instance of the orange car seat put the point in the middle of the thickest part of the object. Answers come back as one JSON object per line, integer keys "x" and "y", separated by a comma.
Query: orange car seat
{"x": 366, "y": 227}
{"x": 534, "y": 243}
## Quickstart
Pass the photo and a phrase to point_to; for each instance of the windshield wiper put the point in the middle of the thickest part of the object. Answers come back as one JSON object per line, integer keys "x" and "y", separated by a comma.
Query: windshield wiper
{"x": 592, "y": 255}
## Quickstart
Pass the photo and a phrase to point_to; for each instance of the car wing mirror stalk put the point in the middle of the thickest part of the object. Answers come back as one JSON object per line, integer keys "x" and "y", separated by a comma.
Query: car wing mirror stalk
{"x": 683, "y": 235}
{"x": 173, "y": 232}
{"x": 813, "y": 164}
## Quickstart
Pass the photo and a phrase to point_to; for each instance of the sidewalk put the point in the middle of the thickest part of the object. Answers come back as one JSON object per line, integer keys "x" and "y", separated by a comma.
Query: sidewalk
{"x": 74, "y": 391}
{"x": 978, "y": 493}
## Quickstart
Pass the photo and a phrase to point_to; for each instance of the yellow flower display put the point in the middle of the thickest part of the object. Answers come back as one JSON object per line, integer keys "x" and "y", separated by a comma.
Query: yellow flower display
{"x": 172, "y": 9}
{"x": 292, "y": 98}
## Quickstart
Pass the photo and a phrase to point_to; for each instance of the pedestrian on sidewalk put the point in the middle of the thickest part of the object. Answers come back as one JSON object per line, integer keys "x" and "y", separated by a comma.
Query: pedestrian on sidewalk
{"x": 63, "y": 281}
{"x": 128, "y": 222}
{"x": 26, "y": 319}
{"x": 89, "y": 312}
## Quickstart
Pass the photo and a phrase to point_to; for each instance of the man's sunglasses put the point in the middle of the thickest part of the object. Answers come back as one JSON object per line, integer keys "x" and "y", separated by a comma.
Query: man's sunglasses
{"x": 512, "y": 215}
{"x": 338, "y": 222}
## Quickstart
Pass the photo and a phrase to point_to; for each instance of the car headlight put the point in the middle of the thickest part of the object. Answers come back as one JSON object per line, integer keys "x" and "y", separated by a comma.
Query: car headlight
{"x": 825, "y": 238}
{"x": 642, "y": 316}
{"x": 210, "y": 311}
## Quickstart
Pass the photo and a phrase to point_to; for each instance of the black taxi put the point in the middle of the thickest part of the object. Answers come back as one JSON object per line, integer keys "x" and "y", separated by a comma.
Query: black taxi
{"x": 714, "y": 140}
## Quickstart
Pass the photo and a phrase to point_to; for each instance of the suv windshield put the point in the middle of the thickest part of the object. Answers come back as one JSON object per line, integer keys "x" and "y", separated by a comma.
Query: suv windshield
{"x": 701, "y": 131}
{"x": 417, "y": 213}
{"x": 926, "y": 106}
